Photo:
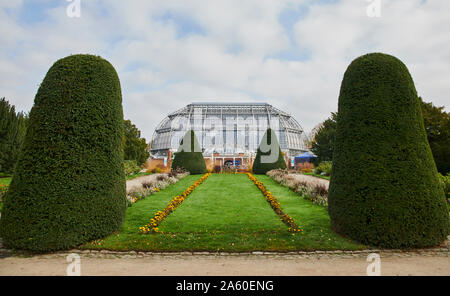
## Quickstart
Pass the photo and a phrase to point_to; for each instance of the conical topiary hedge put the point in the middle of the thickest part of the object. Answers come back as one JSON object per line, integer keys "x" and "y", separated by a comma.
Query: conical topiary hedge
{"x": 268, "y": 157}
{"x": 69, "y": 183}
{"x": 189, "y": 156}
{"x": 384, "y": 189}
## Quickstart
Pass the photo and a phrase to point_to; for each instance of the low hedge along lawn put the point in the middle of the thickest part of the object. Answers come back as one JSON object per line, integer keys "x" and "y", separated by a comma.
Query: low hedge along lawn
{"x": 69, "y": 184}
{"x": 384, "y": 190}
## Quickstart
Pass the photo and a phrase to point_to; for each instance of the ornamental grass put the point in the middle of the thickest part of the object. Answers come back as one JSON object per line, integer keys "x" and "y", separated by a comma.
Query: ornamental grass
{"x": 315, "y": 192}
{"x": 152, "y": 184}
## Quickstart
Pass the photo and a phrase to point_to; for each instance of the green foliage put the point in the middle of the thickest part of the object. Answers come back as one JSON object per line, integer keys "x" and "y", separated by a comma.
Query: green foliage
{"x": 156, "y": 170}
{"x": 323, "y": 142}
{"x": 131, "y": 167}
{"x": 189, "y": 156}
{"x": 384, "y": 188}
{"x": 437, "y": 126}
{"x": 262, "y": 167}
{"x": 69, "y": 183}
{"x": 445, "y": 182}
{"x": 135, "y": 147}
{"x": 12, "y": 134}
{"x": 324, "y": 167}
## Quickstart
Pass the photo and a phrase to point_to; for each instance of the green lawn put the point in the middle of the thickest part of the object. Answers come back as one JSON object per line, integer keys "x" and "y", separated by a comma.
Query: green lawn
{"x": 234, "y": 198}
{"x": 318, "y": 176}
{"x": 5, "y": 181}
{"x": 226, "y": 213}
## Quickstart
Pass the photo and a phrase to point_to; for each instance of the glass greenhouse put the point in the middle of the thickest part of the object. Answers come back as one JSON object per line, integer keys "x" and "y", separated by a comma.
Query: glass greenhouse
{"x": 228, "y": 132}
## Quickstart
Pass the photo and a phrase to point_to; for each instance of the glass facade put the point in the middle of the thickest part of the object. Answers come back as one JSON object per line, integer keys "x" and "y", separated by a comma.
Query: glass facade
{"x": 228, "y": 129}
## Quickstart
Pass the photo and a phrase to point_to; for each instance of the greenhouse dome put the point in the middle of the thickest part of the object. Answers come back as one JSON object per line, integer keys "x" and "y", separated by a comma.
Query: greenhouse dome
{"x": 228, "y": 133}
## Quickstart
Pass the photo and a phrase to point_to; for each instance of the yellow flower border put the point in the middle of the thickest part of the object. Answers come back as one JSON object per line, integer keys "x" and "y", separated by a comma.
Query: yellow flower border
{"x": 276, "y": 205}
{"x": 152, "y": 226}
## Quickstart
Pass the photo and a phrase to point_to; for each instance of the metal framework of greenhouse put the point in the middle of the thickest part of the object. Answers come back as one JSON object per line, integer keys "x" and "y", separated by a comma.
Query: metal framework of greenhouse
{"x": 228, "y": 130}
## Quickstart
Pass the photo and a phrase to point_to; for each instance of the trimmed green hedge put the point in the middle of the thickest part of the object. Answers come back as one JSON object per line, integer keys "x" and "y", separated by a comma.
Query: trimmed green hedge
{"x": 261, "y": 167}
{"x": 384, "y": 188}
{"x": 69, "y": 184}
{"x": 190, "y": 158}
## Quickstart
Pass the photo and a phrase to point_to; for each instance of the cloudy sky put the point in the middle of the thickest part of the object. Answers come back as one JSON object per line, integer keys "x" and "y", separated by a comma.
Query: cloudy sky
{"x": 291, "y": 54}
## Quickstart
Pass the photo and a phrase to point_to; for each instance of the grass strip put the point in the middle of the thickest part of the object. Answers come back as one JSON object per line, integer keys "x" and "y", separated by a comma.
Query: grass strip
{"x": 152, "y": 226}
{"x": 318, "y": 176}
{"x": 225, "y": 203}
{"x": 286, "y": 219}
{"x": 131, "y": 177}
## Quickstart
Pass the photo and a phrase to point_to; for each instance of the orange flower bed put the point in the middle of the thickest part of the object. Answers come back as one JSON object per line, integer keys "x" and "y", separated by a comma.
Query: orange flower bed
{"x": 276, "y": 205}
{"x": 152, "y": 226}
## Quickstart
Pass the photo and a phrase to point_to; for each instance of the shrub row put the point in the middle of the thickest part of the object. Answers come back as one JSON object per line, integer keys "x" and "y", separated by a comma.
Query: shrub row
{"x": 152, "y": 184}
{"x": 131, "y": 167}
{"x": 317, "y": 193}
{"x": 324, "y": 168}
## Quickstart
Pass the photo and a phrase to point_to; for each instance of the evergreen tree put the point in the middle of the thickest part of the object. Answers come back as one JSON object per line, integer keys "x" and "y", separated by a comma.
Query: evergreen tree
{"x": 135, "y": 147}
{"x": 69, "y": 183}
{"x": 189, "y": 156}
{"x": 269, "y": 155}
{"x": 437, "y": 126}
{"x": 384, "y": 187}
{"x": 323, "y": 142}
{"x": 12, "y": 134}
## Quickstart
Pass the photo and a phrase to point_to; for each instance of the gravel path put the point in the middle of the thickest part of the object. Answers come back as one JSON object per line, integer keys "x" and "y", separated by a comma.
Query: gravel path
{"x": 257, "y": 265}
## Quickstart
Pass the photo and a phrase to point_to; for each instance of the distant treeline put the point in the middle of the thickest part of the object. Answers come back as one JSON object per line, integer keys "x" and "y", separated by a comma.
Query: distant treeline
{"x": 13, "y": 129}
{"x": 12, "y": 134}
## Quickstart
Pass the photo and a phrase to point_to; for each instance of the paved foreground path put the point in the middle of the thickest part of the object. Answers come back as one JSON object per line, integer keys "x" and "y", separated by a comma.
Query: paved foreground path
{"x": 258, "y": 265}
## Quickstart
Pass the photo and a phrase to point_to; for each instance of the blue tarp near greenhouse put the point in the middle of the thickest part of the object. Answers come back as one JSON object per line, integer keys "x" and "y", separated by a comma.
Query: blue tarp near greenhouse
{"x": 304, "y": 157}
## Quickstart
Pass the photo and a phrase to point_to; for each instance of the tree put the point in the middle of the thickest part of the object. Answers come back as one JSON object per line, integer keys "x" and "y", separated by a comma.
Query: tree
{"x": 189, "y": 156}
{"x": 384, "y": 187}
{"x": 269, "y": 155}
{"x": 69, "y": 183}
{"x": 437, "y": 126}
{"x": 135, "y": 147}
{"x": 12, "y": 134}
{"x": 323, "y": 142}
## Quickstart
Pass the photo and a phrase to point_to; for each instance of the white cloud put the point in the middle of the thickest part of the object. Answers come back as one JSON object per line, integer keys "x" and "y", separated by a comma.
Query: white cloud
{"x": 230, "y": 54}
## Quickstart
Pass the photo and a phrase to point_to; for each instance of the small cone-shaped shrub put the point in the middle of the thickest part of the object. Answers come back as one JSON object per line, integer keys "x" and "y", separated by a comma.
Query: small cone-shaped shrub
{"x": 268, "y": 156}
{"x": 384, "y": 188}
{"x": 69, "y": 183}
{"x": 189, "y": 155}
